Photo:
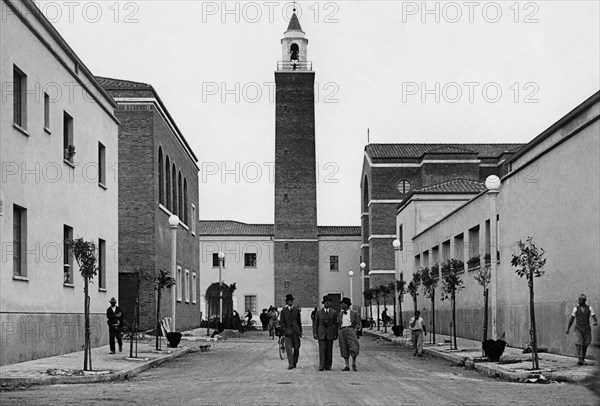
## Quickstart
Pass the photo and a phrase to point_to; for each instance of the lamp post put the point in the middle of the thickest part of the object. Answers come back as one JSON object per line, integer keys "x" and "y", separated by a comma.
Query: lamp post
{"x": 396, "y": 244}
{"x": 492, "y": 183}
{"x": 351, "y": 274}
{"x": 362, "y": 272}
{"x": 174, "y": 223}
{"x": 221, "y": 256}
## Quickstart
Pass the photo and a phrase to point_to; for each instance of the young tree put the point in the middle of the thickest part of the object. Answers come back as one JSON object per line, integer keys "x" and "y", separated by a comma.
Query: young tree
{"x": 401, "y": 289}
{"x": 483, "y": 277}
{"x": 162, "y": 280}
{"x": 377, "y": 296}
{"x": 429, "y": 283}
{"x": 368, "y": 295}
{"x": 530, "y": 263}
{"x": 413, "y": 288}
{"x": 451, "y": 285}
{"x": 385, "y": 291}
{"x": 85, "y": 255}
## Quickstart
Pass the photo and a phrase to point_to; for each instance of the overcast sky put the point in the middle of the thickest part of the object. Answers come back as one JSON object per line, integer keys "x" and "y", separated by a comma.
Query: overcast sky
{"x": 412, "y": 72}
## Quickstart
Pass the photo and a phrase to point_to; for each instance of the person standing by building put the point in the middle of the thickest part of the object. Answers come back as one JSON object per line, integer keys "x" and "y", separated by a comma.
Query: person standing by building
{"x": 582, "y": 331}
{"x": 264, "y": 319}
{"x": 273, "y": 321}
{"x": 417, "y": 327}
{"x": 290, "y": 321}
{"x": 114, "y": 318}
{"x": 325, "y": 330}
{"x": 349, "y": 322}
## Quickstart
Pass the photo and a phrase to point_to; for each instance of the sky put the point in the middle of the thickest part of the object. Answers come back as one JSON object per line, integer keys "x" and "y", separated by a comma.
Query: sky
{"x": 386, "y": 72}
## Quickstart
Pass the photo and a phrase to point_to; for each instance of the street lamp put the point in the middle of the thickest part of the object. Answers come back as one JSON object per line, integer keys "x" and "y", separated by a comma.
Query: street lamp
{"x": 351, "y": 274}
{"x": 362, "y": 273}
{"x": 396, "y": 244}
{"x": 492, "y": 183}
{"x": 174, "y": 223}
{"x": 221, "y": 256}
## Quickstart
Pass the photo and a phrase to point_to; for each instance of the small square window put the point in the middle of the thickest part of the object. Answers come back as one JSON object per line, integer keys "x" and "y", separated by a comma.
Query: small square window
{"x": 334, "y": 263}
{"x": 250, "y": 260}
{"x": 250, "y": 304}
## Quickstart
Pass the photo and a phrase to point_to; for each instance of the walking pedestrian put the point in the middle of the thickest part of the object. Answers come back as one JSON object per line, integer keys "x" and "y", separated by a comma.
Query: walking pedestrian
{"x": 325, "y": 330}
{"x": 417, "y": 327}
{"x": 264, "y": 319}
{"x": 384, "y": 317}
{"x": 292, "y": 326}
{"x": 273, "y": 321}
{"x": 349, "y": 322}
{"x": 582, "y": 332}
{"x": 114, "y": 318}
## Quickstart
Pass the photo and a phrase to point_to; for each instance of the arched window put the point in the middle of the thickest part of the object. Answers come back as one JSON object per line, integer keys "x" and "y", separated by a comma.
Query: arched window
{"x": 294, "y": 51}
{"x": 185, "y": 202}
{"x": 180, "y": 198}
{"x": 168, "y": 185}
{"x": 161, "y": 178}
{"x": 174, "y": 184}
{"x": 365, "y": 207}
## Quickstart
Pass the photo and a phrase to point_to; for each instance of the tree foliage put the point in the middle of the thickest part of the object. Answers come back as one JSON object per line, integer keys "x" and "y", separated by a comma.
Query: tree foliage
{"x": 483, "y": 277}
{"x": 428, "y": 282}
{"x": 451, "y": 281}
{"x": 530, "y": 260}
{"x": 85, "y": 255}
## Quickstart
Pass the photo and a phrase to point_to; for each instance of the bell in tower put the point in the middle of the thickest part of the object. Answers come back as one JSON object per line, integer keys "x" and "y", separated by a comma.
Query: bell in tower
{"x": 294, "y": 46}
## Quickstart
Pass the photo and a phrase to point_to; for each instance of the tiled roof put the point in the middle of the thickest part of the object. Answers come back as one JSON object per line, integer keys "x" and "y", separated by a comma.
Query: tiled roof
{"x": 339, "y": 230}
{"x": 294, "y": 24}
{"x": 455, "y": 186}
{"x": 230, "y": 227}
{"x": 234, "y": 228}
{"x": 111, "y": 84}
{"x": 418, "y": 150}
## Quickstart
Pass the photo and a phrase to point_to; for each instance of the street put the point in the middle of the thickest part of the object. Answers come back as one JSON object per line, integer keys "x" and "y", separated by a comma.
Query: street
{"x": 248, "y": 371}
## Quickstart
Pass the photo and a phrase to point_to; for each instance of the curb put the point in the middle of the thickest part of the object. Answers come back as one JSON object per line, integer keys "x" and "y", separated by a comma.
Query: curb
{"x": 489, "y": 369}
{"x": 7, "y": 383}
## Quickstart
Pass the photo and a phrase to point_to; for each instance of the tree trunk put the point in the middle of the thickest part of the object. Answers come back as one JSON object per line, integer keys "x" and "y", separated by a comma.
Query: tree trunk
{"x": 454, "y": 319}
{"x": 158, "y": 321}
{"x": 378, "y": 313}
{"x": 400, "y": 313}
{"x": 384, "y": 321}
{"x": 433, "y": 315}
{"x": 87, "y": 354}
{"x": 395, "y": 317}
{"x": 485, "y": 314}
{"x": 415, "y": 304}
{"x": 534, "y": 354}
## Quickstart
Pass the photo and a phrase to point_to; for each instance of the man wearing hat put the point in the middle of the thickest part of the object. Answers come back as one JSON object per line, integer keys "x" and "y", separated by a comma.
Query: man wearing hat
{"x": 349, "y": 322}
{"x": 582, "y": 331}
{"x": 325, "y": 329}
{"x": 292, "y": 326}
{"x": 114, "y": 319}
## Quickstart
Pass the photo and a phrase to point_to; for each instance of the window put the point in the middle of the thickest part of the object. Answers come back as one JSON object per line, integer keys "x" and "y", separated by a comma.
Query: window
{"x": 250, "y": 260}
{"x": 174, "y": 185}
{"x": 101, "y": 263}
{"x": 179, "y": 282}
{"x": 285, "y": 197}
{"x": 401, "y": 237}
{"x": 186, "y": 286}
{"x": 19, "y": 241}
{"x": 68, "y": 137}
{"x": 46, "y": 112}
{"x": 403, "y": 186}
{"x": 180, "y": 198}
{"x": 286, "y": 246}
{"x": 161, "y": 178}
{"x": 168, "y": 186}
{"x": 334, "y": 264}
{"x": 185, "y": 203}
{"x": 101, "y": 164}
{"x": 215, "y": 257}
{"x": 19, "y": 98}
{"x": 250, "y": 304}
{"x": 193, "y": 219}
{"x": 194, "y": 289}
{"x": 67, "y": 256}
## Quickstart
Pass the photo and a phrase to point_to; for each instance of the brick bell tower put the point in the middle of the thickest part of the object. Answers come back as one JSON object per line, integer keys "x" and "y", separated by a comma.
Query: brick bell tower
{"x": 296, "y": 246}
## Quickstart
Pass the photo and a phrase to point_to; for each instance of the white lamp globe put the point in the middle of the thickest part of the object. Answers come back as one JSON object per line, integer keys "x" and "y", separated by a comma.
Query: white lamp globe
{"x": 173, "y": 220}
{"x": 363, "y": 265}
{"x": 221, "y": 255}
{"x": 396, "y": 243}
{"x": 492, "y": 182}
{"x": 351, "y": 273}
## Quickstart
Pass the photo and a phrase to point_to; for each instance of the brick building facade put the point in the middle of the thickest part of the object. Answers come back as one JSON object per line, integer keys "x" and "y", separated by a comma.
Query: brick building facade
{"x": 158, "y": 177}
{"x": 391, "y": 172}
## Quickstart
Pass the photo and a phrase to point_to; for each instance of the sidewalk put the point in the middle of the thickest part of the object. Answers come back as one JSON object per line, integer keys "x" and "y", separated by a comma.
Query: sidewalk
{"x": 68, "y": 368}
{"x": 513, "y": 365}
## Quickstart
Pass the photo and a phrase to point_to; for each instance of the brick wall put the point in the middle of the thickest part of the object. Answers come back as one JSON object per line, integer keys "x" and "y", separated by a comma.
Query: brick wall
{"x": 297, "y": 272}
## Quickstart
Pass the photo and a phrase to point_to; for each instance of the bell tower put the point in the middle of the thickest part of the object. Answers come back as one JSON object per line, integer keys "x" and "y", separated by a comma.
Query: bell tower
{"x": 296, "y": 246}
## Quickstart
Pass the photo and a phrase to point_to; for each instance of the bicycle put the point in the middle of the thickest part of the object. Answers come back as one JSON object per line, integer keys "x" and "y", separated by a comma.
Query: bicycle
{"x": 248, "y": 325}
{"x": 280, "y": 342}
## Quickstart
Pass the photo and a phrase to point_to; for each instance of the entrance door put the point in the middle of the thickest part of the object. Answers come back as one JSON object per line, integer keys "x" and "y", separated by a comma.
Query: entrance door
{"x": 336, "y": 298}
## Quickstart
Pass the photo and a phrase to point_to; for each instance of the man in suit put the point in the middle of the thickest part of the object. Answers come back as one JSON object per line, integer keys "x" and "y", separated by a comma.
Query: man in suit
{"x": 349, "y": 322}
{"x": 325, "y": 329}
{"x": 114, "y": 318}
{"x": 290, "y": 321}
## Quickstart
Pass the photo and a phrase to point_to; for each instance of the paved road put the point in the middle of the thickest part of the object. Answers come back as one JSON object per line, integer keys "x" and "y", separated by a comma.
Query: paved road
{"x": 249, "y": 372}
